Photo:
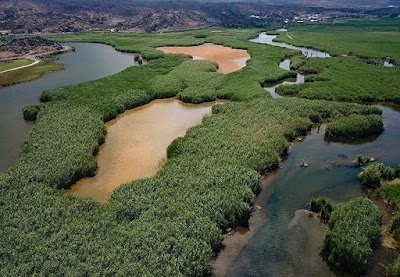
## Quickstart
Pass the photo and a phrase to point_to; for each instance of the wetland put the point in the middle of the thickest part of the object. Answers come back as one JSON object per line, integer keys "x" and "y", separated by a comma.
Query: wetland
{"x": 173, "y": 222}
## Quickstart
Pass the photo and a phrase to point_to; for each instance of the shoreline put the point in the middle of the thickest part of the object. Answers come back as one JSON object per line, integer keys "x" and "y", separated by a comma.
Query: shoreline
{"x": 235, "y": 240}
{"x": 65, "y": 49}
{"x": 37, "y": 63}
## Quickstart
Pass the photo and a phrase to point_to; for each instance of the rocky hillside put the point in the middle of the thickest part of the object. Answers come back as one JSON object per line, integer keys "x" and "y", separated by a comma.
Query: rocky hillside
{"x": 29, "y": 45}
{"x": 50, "y": 16}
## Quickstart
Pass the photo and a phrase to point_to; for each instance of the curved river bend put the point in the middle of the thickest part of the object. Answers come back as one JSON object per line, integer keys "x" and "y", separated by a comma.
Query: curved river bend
{"x": 281, "y": 239}
{"x": 89, "y": 61}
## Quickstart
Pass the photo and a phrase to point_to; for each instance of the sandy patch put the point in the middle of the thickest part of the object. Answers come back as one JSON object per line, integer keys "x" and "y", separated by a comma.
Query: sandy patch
{"x": 228, "y": 59}
{"x": 136, "y": 144}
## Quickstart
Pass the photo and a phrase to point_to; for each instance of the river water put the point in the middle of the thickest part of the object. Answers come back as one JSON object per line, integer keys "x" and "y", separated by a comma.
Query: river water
{"x": 269, "y": 39}
{"x": 282, "y": 240}
{"x": 90, "y": 61}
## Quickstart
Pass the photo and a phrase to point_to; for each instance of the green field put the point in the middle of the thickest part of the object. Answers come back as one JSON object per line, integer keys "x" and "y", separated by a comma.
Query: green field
{"x": 352, "y": 74}
{"x": 13, "y": 64}
{"x": 28, "y": 73}
{"x": 172, "y": 223}
{"x": 375, "y": 38}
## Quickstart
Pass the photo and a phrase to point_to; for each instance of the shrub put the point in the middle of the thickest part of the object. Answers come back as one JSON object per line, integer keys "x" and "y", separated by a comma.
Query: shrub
{"x": 354, "y": 126}
{"x": 372, "y": 175}
{"x": 397, "y": 171}
{"x": 394, "y": 269}
{"x": 31, "y": 112}
{"x": 355, "y": 228}
{"x": 323, "y": 206}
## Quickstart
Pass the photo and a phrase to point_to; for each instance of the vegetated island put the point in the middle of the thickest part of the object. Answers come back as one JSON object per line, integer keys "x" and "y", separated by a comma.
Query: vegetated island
{"x": 19, "y": 59}
{"x": 356, "y": 226}
{"x": 172, "y": 223}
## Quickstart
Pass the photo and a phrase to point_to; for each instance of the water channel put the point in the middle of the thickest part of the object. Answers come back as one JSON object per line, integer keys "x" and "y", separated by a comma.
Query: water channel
{"x": 282, "y": 240}
{"x": 89, "y": 61}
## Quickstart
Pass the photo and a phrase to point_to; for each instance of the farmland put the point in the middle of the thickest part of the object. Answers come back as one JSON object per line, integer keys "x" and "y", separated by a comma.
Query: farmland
{"x": 170, "y": 224}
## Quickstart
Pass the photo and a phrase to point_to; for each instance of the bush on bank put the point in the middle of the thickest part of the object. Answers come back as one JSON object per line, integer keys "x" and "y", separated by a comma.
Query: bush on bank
{"x": 374, "y": 173}
{"x": 322, "y": 206}
{"x": 391, "y": 192}
{"x": 355, "y": 229}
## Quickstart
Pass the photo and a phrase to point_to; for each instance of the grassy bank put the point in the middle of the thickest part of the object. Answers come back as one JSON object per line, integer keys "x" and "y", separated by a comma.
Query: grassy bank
{"x": 352, "y": 74}
{"x": 383, "y": 179}
{"x": 375, "y": 38}
{"x": 346, "y": 79}
{"x": 170, "y": 224}
{"x": 28, "y": 73}
{"x": 354, "y": 126}
{"x": 13, "y": 64}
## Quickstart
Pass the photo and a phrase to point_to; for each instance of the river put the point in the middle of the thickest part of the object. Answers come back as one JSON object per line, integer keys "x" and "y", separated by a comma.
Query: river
{"x": 282, "y": 240}
{"x": 89, "y": 61}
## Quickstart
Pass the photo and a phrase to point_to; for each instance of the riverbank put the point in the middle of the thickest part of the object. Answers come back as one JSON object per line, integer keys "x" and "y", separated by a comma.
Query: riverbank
{"x": 243, "y": 253}
{"x": 42, "y": 63}
{"x": 87, "y": 62}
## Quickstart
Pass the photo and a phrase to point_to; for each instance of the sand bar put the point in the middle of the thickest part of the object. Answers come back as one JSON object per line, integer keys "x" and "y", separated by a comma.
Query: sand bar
{"x": 228, "y": 59}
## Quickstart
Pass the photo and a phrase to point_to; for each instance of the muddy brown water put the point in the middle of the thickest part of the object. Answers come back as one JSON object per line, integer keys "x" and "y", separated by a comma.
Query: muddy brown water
{"x": 136, "y": 143}
{"x": 228, "y": 59}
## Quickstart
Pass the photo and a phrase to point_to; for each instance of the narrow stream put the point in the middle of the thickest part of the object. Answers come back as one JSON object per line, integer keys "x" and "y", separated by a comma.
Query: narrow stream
{"x": 282, "y": 240}
{"x": 308, "y": 52}
{"x": 271, "y": 88}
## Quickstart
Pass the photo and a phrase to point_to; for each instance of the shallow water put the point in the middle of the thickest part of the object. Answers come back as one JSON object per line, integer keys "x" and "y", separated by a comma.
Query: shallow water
{"x": 136, "y": 144}
{"x": 90, "y": 61}
{"x": 228, "y": 59}
{"x": 284, "y": 241}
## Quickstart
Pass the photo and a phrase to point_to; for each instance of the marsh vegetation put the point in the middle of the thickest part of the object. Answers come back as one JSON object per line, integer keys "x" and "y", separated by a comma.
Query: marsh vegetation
{"x": 171, "y": 223}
